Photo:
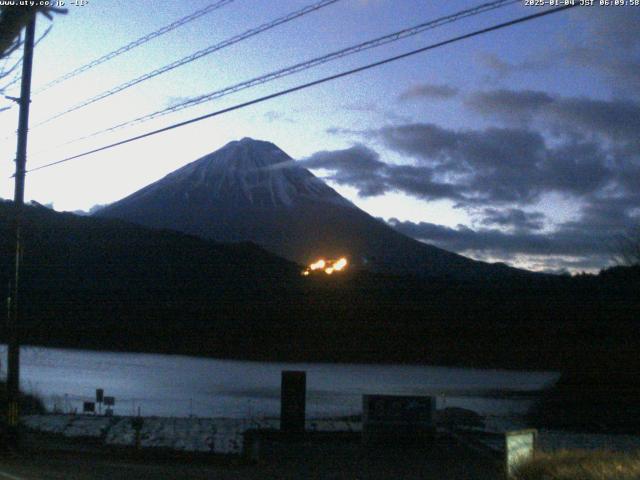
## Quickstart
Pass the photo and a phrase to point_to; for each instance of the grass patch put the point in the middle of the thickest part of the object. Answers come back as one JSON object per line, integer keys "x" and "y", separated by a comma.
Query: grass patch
{"x": 581, "y": 465}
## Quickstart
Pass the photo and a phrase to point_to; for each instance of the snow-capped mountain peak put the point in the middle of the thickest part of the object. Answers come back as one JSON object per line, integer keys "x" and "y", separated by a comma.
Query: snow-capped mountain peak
{"x": 249, "y": 172}
{"x": 251, "y": 190}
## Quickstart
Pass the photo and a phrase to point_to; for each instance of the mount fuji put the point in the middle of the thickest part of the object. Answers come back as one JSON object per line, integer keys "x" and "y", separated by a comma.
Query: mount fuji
{"x": 251, "y": 190}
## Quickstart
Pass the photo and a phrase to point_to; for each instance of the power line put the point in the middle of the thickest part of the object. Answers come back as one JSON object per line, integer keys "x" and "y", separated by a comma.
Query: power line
{"x": 136, "y": 43}
{"x": 18, "y": 74}
{"x": 310, "y": 84}
{"x": 195, "y": 56}
{"x": 7, "y": 71}
{"x": 377, "y": 42}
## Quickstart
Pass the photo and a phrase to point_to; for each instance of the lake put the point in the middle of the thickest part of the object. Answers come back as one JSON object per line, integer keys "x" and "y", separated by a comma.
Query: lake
{"x": 172, "y": 385}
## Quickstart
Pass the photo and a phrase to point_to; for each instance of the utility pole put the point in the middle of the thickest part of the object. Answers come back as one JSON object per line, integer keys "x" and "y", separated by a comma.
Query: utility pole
{"x": 13, "y": 363}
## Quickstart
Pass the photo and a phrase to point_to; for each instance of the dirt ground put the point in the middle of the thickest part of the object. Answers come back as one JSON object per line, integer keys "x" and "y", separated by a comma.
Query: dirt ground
{"x": 439, "y": 460}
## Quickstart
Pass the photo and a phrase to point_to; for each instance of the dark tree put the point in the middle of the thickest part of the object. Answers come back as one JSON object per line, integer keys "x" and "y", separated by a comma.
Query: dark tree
{"x": 13, "y": 19}
{"x": 627, "y": 248}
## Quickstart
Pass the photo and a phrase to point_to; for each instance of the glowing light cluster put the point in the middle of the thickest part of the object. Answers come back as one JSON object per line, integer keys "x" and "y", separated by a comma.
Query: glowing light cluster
{"x": 326, "y": 266}
{"x": 318, "y": 265}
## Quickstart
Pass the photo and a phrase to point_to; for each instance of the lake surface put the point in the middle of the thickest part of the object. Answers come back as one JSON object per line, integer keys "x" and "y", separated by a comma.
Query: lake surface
{"x": 172, "y": 385}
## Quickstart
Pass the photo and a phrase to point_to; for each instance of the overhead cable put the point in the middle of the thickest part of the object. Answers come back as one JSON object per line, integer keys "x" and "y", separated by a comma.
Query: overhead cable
{"x": 18, "y": 74}
{"x": 135, "y": 43}
{"x": 377, "y": 42}
{"x": 195, "y": 56}
{"x": 310, "y": 84}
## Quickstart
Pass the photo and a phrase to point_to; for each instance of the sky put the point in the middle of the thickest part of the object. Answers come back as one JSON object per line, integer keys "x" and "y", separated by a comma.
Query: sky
{"x": 520, "y": 145}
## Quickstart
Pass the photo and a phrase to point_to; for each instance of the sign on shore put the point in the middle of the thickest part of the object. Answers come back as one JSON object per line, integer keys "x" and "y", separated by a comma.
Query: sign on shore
{"x": 519, "y": 446}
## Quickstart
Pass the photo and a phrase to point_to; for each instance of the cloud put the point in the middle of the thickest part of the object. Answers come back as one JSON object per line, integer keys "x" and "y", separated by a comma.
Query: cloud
{"x": 498, "y": 242}
{"x": 610, "y": 216}
{"x": 518, "y": 106}
{"x": 357, "y": 166}
{"x": 501, "y": 165}
{"x": 429, "y": 91}
{"x": 515, "y": 218}
{"x": 275, "y": 116}
{"x": 577, "y": 168}
{"x": 574, "y": 245}
{"x": 361, "y": 107}
{"x": 584, "y": 150}
{"x": 614, "y": 49}
{"x": 357, "y": 159}
{"x": 503, "y": 69}
{"x": 615, "y": 120}
{"x": 610, "y": 120}
{"x": 361, "y": 167}
{"x": 492, "y": 166}
{"x": 373, "y": 109}
{"x": 608, "y": 47}
{"x": 344, "y": 131}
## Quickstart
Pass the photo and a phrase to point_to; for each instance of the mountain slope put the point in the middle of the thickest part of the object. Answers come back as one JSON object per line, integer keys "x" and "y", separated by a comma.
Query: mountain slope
{"x": 82, "y": 269}
{"x": 100, "y": 283}
{"x": 252, "y": 191}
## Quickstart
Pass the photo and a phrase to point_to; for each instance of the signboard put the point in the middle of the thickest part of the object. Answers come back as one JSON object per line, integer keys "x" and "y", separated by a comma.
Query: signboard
{"x": 99, "y": 395}
{"x": 519, "y": 447}
{"x": 109, "y": 401}
{"x": 293, "y": 394}
{"x": 400, "y": 416}
{"x": 88, "y": 407}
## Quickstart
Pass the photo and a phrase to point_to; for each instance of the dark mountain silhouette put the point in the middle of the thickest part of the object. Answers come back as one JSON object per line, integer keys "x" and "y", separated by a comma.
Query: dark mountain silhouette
{"x": 79, "y": 269}
{"x": 251, "y": 190}
{"x": 108, "y": 284}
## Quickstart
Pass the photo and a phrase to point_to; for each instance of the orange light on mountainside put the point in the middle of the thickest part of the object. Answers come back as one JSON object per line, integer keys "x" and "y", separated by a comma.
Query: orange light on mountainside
{"x": 317, "y": 265}
{"x": 340, "y": 264}
{"x": 326, "y": 266}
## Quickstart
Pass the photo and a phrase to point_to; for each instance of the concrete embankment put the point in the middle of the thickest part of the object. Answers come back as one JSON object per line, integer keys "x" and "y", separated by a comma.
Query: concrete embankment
{"x": 214, "y": 435}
